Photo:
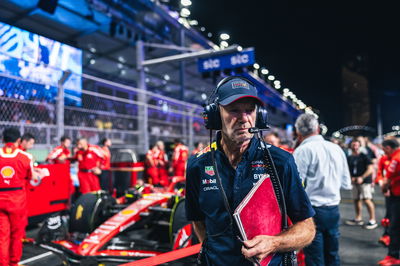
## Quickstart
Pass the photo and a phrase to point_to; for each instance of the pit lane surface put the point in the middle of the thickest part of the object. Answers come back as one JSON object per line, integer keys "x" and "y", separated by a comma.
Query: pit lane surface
{"x": 358, "y": 246}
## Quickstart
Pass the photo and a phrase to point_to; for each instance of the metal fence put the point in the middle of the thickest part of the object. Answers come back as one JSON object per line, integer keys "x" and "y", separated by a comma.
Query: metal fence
{"x": 128, "y": 116}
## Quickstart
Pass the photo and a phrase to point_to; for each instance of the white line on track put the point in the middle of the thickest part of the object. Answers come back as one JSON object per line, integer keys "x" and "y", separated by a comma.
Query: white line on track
{"x": 36, "y": 257}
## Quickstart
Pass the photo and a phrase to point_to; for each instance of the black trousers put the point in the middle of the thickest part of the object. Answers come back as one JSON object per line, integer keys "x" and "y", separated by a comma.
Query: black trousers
{"x": 106, "y": 182}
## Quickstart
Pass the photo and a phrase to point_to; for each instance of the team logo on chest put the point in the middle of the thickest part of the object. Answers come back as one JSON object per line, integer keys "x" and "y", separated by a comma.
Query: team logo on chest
{"x": 257, "y": 165}
{"x": 209, "y": 170}
{"x": 7, "y": 172}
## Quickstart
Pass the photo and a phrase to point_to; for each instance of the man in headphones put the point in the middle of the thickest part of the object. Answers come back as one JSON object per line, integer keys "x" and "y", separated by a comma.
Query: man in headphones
{"x": 238, "y": 159}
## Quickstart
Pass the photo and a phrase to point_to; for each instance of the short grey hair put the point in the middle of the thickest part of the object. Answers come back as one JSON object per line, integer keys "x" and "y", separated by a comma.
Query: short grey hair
{"x": 306, "y": 124}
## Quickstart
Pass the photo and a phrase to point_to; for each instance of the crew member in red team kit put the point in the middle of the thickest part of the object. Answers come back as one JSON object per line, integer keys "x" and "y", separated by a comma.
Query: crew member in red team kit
{"x": 60, "y": 154}
{"x": 198, "y": 147}
{"x": 392, "y": 184}
{"x": 89, "y": 158}
{"x": 383, "y": 163}
{"x": 179, "y": 158}
{"x": 106, "y": 182}
{"x": 27, "y": 141}
{"x": 162, "y": 164}
{"x": 16, "y": 166}
{"x": 151, "y": 164}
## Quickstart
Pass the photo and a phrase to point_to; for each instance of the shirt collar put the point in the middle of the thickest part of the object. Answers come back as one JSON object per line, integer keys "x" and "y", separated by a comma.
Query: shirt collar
{"x": 312, "y": 138}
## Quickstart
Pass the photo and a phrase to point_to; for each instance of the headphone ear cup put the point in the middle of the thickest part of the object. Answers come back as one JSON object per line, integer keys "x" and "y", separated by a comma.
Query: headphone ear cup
{"x": 262, "y": 118}
{"x": 212, "y": 117}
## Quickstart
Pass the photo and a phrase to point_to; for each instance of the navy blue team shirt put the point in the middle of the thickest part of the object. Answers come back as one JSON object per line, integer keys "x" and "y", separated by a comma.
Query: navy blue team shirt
{"x": 204, "y": 201}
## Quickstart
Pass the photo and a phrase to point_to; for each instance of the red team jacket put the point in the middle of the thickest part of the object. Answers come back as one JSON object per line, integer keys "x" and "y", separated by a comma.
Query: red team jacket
{"x": 57, "y": 153}
{"x": 393, "y": 173}
{"x": 90, "y": 158}
{"x": 106, "y": 162}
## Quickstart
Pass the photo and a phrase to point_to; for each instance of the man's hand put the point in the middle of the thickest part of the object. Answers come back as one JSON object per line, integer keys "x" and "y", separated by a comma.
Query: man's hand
{"x": 62, "y": 158}
{"x": 360, "y": 180}
{"x": 259, "y": 247}
{"x": 96, "y": 170}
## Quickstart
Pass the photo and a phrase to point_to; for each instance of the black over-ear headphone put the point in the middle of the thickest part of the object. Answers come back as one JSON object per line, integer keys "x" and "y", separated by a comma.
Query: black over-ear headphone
{"x": 212, "y": 117}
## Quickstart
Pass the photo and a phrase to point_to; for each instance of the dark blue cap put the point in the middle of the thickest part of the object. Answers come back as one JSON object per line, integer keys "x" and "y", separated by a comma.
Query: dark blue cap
{"x": 235, "y": 89}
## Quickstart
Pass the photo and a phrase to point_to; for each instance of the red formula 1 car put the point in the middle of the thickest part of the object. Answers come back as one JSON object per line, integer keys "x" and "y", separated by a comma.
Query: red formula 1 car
{"x": 50, "y": 195}
{"x": 145, "y": 222}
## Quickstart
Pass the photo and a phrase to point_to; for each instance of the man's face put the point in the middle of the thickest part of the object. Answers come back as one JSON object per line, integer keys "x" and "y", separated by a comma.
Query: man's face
{"x": 161, "y": 145}
{"x": 67, "y": 143}
{"x": 387, "y": 150}
{"x": 237, "y": 118}
{"x": 355, "y": 146}
{"x": 82, "y": 145}
{"x": 108, "y": 143}
{"x": 271, "y": 138}
{"x": 28, "y": 144}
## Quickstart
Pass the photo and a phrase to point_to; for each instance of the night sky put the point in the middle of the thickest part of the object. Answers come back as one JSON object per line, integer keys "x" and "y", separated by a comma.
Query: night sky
{"x": 304, "y": 45}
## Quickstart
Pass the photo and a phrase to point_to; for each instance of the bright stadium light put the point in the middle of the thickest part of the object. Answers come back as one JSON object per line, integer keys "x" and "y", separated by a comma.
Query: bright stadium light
{"x": 185, "y": 12}
{"x": 193, "y": 23}
{"x": 120, "y": 65}
{"x": 167, "y": 77}
{"x": 277, "y": 86}
{"x": 264, "y": 71}
{"x": 256, "y": 66}
{"x": 271, "y": 77}
{"x": 204, "y": 96}
{"x": 224, "y": 44}
{"x": 224, "y": 36}
{"x": 203, "y": 29}
{"x": 277, "y": 82}
{"x": 285, "y": 90}
{"x": 186, "y": 2}
{"x": 92, "y": 61}
{"x": 209, "y": 35}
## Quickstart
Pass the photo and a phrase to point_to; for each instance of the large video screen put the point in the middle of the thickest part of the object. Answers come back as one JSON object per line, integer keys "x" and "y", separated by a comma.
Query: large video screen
{"x": 38, "y": 59}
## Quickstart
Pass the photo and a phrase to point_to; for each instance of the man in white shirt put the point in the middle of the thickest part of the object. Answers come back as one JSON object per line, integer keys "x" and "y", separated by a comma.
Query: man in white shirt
{"x": 323, "y": 168}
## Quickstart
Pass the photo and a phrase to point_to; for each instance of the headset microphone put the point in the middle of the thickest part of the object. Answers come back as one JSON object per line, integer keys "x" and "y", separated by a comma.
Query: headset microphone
{"x": 254, "y": 130}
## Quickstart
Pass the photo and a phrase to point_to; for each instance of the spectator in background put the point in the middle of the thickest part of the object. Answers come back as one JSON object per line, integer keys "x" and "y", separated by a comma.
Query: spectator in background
{"x": 274, "y": 139}
{"x": 106, "y": 182}
{"x": 323, "y": 168}
{"x": 361, "y": 169}
{"x": 61, "y": 153}
{"x": 198, "y": 146}
{"x": 27, "y": 142}
{"x": 179, "y": 158}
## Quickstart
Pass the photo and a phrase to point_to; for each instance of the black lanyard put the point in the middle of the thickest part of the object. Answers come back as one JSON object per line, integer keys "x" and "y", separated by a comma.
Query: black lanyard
{"x": 288, "y": 258}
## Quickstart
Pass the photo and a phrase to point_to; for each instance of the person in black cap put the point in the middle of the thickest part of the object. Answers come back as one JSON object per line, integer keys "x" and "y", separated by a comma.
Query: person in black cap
{"x": 239, "y": 163}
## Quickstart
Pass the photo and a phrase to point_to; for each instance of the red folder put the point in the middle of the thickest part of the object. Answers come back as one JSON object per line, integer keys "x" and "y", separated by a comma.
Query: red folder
{"x": 259, "y": 213}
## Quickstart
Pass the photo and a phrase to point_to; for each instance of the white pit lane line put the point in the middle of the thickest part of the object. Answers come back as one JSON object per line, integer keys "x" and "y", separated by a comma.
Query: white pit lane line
{"x": 38, "y": 257}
